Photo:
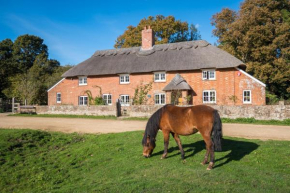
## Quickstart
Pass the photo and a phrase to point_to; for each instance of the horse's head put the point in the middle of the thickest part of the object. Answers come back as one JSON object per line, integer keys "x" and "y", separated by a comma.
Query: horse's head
{"x": 148, "y": 146}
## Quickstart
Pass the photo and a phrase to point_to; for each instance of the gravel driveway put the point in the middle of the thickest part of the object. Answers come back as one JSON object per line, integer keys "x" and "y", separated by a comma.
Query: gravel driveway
{"x": 70, "y": 125}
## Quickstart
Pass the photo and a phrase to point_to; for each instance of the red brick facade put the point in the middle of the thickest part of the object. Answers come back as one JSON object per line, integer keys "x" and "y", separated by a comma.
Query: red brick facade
{"x": 229, "y": 86}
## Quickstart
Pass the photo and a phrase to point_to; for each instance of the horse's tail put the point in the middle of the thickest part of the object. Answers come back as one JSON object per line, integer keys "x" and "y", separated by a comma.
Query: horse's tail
{"x": 217, "y": 133}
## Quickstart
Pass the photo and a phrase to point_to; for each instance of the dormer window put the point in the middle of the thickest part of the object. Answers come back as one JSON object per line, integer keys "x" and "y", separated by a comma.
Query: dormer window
{"x": 208, "y": 74}
{"x": 124, "y": 79}
{"x": 159, "y": 77}
{"x": 82, "y": 80}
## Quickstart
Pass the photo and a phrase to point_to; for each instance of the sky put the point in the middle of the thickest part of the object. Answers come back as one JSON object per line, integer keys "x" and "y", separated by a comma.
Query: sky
{"x": 74, "y": 29}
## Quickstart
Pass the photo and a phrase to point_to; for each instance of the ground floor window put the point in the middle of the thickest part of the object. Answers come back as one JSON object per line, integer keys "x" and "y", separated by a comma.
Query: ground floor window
{"x": 160, "y": 99}
{"x": 83, "y": 100}
{"x": 108, "y": 99}
{"x": 209, "y": 96}
{"x": 247, "y": 98}
{"x": 125, "y": 100}
{"x": 58, "y": 97}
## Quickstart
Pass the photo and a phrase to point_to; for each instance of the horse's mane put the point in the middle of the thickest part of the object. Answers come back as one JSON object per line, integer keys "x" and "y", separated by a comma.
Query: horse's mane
{"x": 152, "y": 126}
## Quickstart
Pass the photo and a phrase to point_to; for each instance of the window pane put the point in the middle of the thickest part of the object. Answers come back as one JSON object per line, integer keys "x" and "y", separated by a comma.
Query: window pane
{"x": 205, "y": 96}
{"x": 157, "y": 99}
{"x": 85, "y": 80}
{"x": 109, "y": 99}
{"x": 211, "y": 74}
{"x": 121, "y": 78}
{"x": 85, "y": 100}
{"x": 212, "y": 96}
{"x": 162, "y": 96}
{"x": 156, "y": 76}
{"x": 127, "y": 79}
{"x": 162, "y": 76}
{"x": 81, "y": 101}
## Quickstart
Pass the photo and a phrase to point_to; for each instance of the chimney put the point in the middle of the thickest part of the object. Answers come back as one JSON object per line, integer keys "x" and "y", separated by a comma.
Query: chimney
{"x": 147, "y": 38}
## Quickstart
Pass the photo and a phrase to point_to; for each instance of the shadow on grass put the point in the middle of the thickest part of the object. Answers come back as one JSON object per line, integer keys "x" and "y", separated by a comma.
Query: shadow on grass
{"x": 238, "y": 150}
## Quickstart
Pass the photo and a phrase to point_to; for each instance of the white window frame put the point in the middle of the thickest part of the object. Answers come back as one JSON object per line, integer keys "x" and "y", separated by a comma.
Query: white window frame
{"x": 127, "y": 98}
{"x": 58, "y": 98}
{"x": 106, "y": 99}
{"x": 83, "y": 80}
{"x": 83, "y": 101}
{"x": 206, "y": 74}
{"x": 124, "y": 79}
{"x": 247, "y": 102}
{"x": 209, "y": 96}
{"x": 158, "y": 77}
{"x": 159, "y": 102}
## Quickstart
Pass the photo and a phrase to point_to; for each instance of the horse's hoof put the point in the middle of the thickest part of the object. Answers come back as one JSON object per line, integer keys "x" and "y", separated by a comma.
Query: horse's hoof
{"x": 208, "y": 168}
{"x": 162, "y": 157}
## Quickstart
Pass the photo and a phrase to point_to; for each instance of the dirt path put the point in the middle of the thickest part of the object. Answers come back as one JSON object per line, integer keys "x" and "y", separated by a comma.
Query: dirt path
{"x": 69, "y": 125}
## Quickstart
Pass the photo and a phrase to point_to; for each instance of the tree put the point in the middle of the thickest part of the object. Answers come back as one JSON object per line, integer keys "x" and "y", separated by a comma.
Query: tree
{"x": 27, "y": 71}
{"x": 259, "y": 35}
{"x": 167, "y": 30}
{"x": 6, "y": 67}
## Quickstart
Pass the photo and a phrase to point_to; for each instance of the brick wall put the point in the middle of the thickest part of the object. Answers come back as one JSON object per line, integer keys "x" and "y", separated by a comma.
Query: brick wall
{"x": 229, "y": 82}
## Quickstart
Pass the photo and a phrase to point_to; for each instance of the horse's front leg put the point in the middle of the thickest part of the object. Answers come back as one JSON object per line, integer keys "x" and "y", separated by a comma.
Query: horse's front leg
{"x": 166, "y": 142}
{"x": 177, "y": 139}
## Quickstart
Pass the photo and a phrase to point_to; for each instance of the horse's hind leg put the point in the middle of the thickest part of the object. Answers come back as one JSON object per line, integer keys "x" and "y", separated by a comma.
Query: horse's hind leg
{"x": 177, "y": 139}
{"x": 209, "y": 151}
{"x": 166, "y": 142}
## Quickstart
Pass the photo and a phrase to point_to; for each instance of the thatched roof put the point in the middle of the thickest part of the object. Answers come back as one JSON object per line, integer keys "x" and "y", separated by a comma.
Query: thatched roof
{"x": 177, "y": 83}
{"x": 189, "y": 55}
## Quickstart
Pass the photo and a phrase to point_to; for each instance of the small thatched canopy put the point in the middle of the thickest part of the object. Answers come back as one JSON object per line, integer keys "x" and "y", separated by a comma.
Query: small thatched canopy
{"x": 177, "y": 83}
{"x": 189, "y": 55}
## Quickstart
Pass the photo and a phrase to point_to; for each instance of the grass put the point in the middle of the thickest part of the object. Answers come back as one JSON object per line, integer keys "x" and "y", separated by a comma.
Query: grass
{"x": 224, "y": 120}
{"x": 37, "y": 161}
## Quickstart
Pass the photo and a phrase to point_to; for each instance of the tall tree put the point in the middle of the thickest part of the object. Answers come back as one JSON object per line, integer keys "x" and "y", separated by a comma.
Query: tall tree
{"x": 259, "y": 35}
{"x": 6, "y": 64}
{"x": 167, "y": 30}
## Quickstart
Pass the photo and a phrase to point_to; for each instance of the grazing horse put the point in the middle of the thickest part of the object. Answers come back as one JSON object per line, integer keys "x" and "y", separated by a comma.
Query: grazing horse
{"x": 177, "y": 121}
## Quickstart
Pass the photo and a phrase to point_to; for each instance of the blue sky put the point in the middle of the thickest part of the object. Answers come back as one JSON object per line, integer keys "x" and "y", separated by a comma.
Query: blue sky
{"x": 73, "y": 30}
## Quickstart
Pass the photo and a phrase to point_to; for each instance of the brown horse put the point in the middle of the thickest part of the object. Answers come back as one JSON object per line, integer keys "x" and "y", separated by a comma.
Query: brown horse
{"x": 184, "y": 121}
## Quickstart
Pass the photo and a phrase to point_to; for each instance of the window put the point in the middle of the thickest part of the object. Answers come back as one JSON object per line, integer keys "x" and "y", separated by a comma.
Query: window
{"x": 247, "y": 98}
{"x": 209, "y": 96}
{"x": 83, "y": 100}
{"x": 124, "y": 79}
{"x": 208, "y": 75}
{"x": 58, "y": 97}
{"x": 159, "y": 77}
{"x": 159, "y": 99}
{"x": 108, "y": 99}
{"x": 82, "y": 80}
{"x": 125, "y": 100}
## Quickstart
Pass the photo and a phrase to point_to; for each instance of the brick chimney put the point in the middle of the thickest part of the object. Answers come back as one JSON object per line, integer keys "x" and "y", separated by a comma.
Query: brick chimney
{"x": 147, "y": 38}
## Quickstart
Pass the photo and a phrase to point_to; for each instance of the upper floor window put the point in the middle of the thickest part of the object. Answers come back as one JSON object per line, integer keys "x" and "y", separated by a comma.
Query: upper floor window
{"x": 125, "y": 100}
{"x": 159, "y": 77}
{"x": 108, "y": 99}
{"x": 124, "y": 79}
{"x": 209, "y": 96}
{"x": 208, "y": 75}
{"x": 83, "y": 80}
{"x": 83, "y": 100}
{"x": 247, "y": 98}
{"x": 160, "y": 99}
{"x": 58, "y": 97}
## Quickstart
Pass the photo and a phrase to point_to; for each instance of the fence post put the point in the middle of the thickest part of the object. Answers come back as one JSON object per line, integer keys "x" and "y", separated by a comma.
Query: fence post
{"x": 13, "y": 104}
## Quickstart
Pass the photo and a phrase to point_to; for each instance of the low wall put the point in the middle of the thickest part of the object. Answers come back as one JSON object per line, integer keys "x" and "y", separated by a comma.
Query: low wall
{"x": 266, "y": 112}
{"x": 77, "y": 110}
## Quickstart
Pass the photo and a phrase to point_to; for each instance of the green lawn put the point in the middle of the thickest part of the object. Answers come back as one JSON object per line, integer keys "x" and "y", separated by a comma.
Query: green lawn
{"x": 37, "y": 161}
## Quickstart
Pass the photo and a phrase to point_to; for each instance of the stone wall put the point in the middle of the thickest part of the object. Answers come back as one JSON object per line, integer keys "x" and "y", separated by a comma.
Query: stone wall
{"x": 77, "y": 110}
{"x": 266, "y": 112}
